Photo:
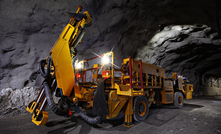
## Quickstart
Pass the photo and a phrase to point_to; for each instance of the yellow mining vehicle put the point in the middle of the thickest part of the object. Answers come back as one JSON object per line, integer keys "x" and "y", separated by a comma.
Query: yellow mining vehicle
{"x": 106, "y": 91}
{"x": 132, "y": 88}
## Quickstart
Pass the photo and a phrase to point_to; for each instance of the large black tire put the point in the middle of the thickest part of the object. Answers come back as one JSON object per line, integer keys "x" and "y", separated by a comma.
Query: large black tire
{"x": 141, "y": 108}
{"x": 178, "y": 100}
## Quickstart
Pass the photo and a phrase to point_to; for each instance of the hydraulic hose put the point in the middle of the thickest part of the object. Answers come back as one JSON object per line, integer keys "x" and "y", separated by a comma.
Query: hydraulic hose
{"x": 90, "y": 120}
{"x": 34, "y": 75}
{"x": 78, "y": 39}
{"x": 51, "y": 103}
{"x": 42, "y": 70}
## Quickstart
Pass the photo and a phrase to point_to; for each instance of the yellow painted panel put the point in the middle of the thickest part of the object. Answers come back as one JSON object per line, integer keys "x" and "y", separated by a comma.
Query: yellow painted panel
{"x": 124, "y": 90}
{"x": 168, "y": 85}
{"x": 167, "y": 97}
{"x": 66, "y": 34}
{"x": 43, "y": 120}
{"x": 63, "y": 66}
{"x": 189, "y": 95}
{"x": 190, "y": 87}
{"x": 77, "y": 92}
{"x": 32, "y": 107}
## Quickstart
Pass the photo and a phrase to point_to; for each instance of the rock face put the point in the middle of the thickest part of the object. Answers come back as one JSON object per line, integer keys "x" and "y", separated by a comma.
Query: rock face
{"x": 212, "y": 86}
{"x": 15, "y": 101}
{"x": 189, "y": 50}
{"x": 28, "y": 30}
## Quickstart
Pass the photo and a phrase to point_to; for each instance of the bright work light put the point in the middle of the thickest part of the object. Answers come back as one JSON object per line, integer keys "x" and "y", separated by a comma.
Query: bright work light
{"x": 78, "y": 65}
{"x": 105, "y": 59}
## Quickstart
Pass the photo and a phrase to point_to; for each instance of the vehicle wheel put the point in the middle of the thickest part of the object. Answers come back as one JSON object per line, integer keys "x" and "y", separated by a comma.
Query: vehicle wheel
{"x": 141, "y": 108}
{"x": 178, "y": 100}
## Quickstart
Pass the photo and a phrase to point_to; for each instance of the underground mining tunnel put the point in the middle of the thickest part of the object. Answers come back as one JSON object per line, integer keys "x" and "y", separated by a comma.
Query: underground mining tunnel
{"x": 177, "y": 36}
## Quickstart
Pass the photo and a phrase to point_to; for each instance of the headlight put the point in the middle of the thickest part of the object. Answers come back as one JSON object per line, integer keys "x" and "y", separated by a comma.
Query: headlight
{"x": 79, "y": 65}
{"x": 105, "y": 59}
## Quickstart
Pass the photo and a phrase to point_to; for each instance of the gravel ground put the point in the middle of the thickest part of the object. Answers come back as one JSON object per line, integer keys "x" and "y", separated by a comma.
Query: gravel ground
{"x": 201, "y": 115}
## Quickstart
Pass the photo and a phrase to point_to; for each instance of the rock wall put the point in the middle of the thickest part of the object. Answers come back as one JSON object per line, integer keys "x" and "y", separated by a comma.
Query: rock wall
{"x": 29, "y": 28}
{"x": 211, "y": 86}
{"x": 14, "y": 101}
{"x": 189, "y": 50}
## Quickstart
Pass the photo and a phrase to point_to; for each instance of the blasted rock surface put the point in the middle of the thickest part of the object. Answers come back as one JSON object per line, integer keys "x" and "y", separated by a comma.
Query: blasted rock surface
{"x": 15, "y": 101}
{"x": 28, "y": 29}
{"x": 189, "y": 50}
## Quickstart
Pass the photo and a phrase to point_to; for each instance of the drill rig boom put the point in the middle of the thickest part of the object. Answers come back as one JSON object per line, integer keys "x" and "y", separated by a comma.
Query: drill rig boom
{"x": 57, "y": 69}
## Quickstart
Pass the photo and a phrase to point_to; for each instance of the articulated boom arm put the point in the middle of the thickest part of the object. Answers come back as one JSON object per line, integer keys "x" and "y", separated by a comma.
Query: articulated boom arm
{"x": 68, "y": 40}
{"x": 57, "y": 69}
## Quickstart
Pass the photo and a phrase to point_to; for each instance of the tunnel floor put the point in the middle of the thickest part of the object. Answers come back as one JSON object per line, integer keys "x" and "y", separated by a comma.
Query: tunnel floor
{"x": 200, "y": 115}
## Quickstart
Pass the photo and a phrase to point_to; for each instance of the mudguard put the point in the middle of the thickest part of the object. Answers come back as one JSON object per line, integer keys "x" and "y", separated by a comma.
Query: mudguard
{"x": 99, "y": 101}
